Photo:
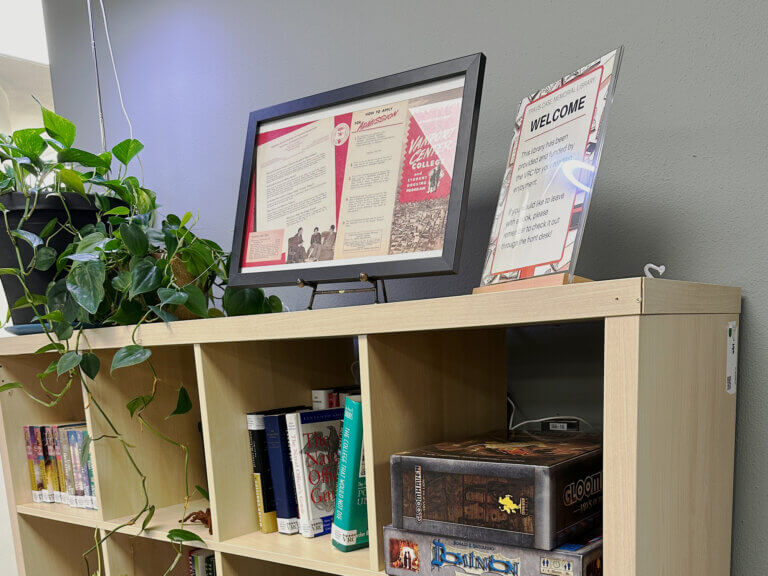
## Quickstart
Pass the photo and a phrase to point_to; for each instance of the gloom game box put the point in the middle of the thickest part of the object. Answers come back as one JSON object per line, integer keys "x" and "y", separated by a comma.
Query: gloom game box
{"x": 535, "y": 490}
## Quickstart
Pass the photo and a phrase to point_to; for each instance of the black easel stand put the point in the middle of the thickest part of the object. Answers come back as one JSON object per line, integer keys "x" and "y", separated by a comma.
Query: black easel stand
{"x": 374, "y": 287}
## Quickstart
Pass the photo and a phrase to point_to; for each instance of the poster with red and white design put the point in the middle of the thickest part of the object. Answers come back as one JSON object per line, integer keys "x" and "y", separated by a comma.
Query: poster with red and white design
{"x": 550, "y": 174}
{"x": 361, "y": 182}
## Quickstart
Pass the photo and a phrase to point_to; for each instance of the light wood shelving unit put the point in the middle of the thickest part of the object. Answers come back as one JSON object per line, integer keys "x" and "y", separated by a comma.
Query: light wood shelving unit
{"x": 430, "y": 370}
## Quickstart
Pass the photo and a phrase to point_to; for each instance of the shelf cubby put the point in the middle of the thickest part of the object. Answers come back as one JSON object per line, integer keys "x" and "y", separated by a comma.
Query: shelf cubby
{"x": 50, "y": 547}
{"x": 161, "y": 461}
{"x": 19, "y": 410}
{"x": 126, "y": 555}
{"x": 647, "y": 357}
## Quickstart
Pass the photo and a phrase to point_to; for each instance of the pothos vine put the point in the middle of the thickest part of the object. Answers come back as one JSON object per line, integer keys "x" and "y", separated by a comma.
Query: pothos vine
{"x": 120, "y": 269}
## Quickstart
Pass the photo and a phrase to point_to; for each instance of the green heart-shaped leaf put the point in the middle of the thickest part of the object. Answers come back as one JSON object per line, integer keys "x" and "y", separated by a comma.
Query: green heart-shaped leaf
{"x": 126, "y": 150}
{"x": 183, "y": 403}
{"x": 138, "y": 403}
{"x": 171, "y": 296}
{"x": 179, "y": 535}
{"x": 82, "y": 157}
{"x": 129, "y": 356}
{"x": 32, "y": 239}
{"x": 68, "y": 361}
{"x": 45, "y": 258}
{"x": 90, "y": 365}
{"x": 59, "y": 127}
{"x": 196, "y": 302}
{"x": 85, "y": 283}
{"x": 72, "y": 180}
{"x": 135, "y": 239}
{"x": 145, "y": 277}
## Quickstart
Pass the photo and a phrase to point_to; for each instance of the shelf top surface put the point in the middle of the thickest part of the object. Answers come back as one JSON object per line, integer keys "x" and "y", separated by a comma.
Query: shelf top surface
{"x": 584, "y": 301}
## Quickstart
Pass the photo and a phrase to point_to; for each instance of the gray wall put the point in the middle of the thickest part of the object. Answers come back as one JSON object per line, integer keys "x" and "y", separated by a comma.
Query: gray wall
{"x": 683, "y": 174}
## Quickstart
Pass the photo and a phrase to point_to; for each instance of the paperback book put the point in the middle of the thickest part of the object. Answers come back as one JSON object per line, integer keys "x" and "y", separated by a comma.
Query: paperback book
{"x": 314, "y": 441}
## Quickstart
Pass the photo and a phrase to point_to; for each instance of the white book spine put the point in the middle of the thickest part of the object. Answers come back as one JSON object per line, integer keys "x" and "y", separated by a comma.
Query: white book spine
{"x": 293, "y": 427}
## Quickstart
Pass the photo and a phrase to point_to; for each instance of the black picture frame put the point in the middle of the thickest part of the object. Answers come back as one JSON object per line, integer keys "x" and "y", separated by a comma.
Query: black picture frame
{"x": 472, "y": 67}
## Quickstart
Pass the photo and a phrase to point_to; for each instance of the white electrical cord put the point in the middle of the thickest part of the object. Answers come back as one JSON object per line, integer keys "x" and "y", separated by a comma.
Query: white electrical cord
{"x": 117, "y": 82}
{"x": 514, "y": 409}
{"x": 549, "y": 418}
{"x": 114, "y": 68}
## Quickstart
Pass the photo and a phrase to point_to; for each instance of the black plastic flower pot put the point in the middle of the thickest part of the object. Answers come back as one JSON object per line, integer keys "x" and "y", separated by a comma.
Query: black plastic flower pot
{"x": 82, "y": 213}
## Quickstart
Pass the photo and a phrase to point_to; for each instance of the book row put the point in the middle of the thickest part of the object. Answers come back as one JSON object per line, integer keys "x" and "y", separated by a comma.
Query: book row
{"x": 309, "y": 469}
{"x": 514, "y": 503}
{"x": 60, "y": 469}
{"x": 201, "y": 562}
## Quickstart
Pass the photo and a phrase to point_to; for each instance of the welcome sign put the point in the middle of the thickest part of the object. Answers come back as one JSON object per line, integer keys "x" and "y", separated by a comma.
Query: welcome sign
{"x": 550, "y": 174}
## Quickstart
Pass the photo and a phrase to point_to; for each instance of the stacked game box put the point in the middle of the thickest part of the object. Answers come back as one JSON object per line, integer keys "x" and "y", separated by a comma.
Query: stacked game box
{"x": 414, "y": 553}
{"x": 535, "y": 490}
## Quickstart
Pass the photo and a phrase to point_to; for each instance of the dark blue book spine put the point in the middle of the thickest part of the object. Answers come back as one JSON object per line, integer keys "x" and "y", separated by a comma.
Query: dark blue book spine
{"x": 282, "y": 474}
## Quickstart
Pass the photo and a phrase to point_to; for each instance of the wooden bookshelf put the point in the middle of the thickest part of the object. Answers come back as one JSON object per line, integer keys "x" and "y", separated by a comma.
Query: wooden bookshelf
{"x": 430, "y": 370}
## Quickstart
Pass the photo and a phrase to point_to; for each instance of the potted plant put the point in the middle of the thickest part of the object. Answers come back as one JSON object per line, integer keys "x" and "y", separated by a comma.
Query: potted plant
{"x": 79, "y": 238}
{"x": 82, "y": 247}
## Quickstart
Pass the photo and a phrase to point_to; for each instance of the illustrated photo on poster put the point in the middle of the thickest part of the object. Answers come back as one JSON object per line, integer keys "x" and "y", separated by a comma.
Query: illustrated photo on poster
{"x": 550, "y": 174}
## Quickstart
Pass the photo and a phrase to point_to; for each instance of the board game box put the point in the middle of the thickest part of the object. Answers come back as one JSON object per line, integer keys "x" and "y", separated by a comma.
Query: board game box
{"x": 411, "y": 553}
{"x": 527, "y": 489}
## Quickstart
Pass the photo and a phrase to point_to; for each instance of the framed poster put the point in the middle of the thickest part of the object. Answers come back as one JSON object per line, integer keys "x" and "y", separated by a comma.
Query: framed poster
{"x": 550, "y": 174}
{"x": 371, "y": 178}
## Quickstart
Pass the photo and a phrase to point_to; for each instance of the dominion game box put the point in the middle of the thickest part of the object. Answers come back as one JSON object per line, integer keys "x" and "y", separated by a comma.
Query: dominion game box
{"x": 414, "y": 553}
{"x": 527, "y": 489}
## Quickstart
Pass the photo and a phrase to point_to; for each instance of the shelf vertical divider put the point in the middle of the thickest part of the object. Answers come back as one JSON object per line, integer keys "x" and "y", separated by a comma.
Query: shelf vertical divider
{"x": 419, "y": 388}
{"x": 668, "y": 445}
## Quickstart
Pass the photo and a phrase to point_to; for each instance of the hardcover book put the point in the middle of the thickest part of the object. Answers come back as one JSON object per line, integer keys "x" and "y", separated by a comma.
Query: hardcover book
{"x": 535, "y": 490}
{"x": 282, "y": 474}
{"x": 410, "y": 553}
{"x": 262, "y": 473}
{"x": 262, "y": 479}
{"x": 314, "y": 440}
{"x": 350, "y": 520}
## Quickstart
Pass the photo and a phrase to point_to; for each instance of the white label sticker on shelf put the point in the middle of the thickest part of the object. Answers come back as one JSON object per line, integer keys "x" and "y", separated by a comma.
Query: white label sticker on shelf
{"x": 732, "y": 357}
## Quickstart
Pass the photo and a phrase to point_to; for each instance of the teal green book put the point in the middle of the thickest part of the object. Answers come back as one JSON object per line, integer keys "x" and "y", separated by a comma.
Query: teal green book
{"x": 350, "y": 519}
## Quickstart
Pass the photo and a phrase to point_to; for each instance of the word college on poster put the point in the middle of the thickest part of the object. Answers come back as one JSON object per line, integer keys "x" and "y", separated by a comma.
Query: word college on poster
{"x": 550, "y": 172}
{"x": 367, "y": 181}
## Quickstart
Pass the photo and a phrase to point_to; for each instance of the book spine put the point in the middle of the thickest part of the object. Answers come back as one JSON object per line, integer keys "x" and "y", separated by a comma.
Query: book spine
{"x": 350, "y": 520}
{"x": 282, "y": 474}
{"x": 61, "y": 494}
{"x": 39, "y": 453}
{"x": 32, "y": 464}
{"x": 66, "y": 461}
{"x": 321, "y": 399}
{"x": 51, "y": 469}
{"x": 84, "y": 469}
{"x": 89, "y": 473}
{"x": 210, "y": 566}
{"x": 297, "y": 463}
{"x": 191, "y": 563}
{"x": 75, "y": 454}
{"x": 255, "y": 467}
